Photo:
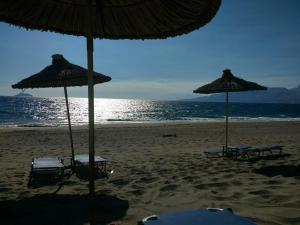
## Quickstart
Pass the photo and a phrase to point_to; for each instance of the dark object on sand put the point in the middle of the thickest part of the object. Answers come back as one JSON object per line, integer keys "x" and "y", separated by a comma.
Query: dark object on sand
{"x": 169, "y": 135}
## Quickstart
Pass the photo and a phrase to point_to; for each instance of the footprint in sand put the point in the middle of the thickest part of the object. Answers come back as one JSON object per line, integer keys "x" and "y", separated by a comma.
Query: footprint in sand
{"x": 79, "y": 189}
{"x": 218, "y": 184}
{"x": 237, "y": 195}
{"x": 273, "y": 182}
{"x": 170, "y": 187}
{"x": 212, "y": 185}
{"x": 24, "y": 194}
{"x": 200, "y": 186}
{"x": 228, "y": 175}
{"x": 70, "y": 183}
{"x": 236, "y": 182}
{"x": 147, "y": 180}
{"x": 215, "y": 179}
{"x": 19, "y": 175}
{"x": 105, "y": 191}
{"x": 4, "y": 189}
{"x": 136, "y": 192}
{"x": 119, "y": 182}
{"x": 263, "y": 193}
{"x": 188, "y": 178}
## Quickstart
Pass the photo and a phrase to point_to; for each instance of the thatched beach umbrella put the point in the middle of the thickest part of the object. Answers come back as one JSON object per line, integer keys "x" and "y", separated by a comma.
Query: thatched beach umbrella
{"x": 111, "y": 19}
{"x": 228, "y": 83}
{"x": 61, "y": 73}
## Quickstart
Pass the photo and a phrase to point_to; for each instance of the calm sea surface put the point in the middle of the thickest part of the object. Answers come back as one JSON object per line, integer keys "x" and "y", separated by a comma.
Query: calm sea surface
{"x": 31, "y": 111}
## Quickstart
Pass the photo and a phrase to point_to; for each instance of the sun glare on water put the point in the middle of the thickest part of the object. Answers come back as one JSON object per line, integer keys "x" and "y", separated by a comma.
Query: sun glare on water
{"x": 109, "y": 110}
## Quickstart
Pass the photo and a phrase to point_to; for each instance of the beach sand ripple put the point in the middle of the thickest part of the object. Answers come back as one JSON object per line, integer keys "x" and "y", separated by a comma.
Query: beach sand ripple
{"x": 154, "y": 173}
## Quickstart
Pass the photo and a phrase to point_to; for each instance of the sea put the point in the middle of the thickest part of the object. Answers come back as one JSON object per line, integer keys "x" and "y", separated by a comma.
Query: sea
{"x": 40, "y": 112}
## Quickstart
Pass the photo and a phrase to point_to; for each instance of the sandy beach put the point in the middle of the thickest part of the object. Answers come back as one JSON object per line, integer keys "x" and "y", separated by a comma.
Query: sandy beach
{"x": 154, "y": 174}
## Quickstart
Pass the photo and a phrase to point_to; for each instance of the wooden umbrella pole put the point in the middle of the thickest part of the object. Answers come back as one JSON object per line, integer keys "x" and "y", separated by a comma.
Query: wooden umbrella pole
{"x": 226, "y": 112}
{"x": 70, "y": 126}
{"x": 90, "y": 49}
{"x": 91, "y": 129}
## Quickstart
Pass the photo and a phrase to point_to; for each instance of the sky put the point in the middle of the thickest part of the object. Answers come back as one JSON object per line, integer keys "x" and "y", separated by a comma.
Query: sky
{"x": 258, "y": 40}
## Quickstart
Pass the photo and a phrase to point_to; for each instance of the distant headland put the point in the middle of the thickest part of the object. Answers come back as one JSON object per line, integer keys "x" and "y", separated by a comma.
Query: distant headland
{"x": 23, "y": 94}
{"x": 277, "y": 95}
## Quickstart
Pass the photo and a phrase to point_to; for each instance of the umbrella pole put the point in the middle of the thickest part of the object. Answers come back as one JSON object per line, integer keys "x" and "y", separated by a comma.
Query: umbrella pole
{"x": 226, "y": 129}
{"x": 90, "y": 49}
{"x": 91, "y": 130}
{"x": 70, "y": 127}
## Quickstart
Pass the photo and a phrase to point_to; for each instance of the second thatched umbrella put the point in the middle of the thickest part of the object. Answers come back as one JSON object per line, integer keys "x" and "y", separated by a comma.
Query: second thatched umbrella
{"x": 228, "y": 83}
{"x": 61, "y": 74}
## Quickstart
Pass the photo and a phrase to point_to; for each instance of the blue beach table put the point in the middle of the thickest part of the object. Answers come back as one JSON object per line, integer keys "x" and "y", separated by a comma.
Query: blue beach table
{"x": 197, "y": 217}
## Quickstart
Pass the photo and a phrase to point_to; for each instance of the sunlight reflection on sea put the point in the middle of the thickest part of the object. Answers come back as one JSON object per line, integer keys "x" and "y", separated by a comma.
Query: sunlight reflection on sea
{"x": 32, "y": 111}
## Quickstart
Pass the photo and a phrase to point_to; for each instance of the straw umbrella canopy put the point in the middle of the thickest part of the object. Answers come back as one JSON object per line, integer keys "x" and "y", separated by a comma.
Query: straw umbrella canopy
{"x": 61, "y": 73}
{"x": 228, "y": 83}
{"x": 111, "y": 19}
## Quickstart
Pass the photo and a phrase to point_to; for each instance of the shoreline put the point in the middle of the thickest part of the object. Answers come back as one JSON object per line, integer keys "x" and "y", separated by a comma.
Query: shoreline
{"x": 166, "y": 122}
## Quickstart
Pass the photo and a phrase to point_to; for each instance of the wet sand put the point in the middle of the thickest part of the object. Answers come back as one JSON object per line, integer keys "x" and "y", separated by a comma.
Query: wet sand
{"x": 154, "y": 172}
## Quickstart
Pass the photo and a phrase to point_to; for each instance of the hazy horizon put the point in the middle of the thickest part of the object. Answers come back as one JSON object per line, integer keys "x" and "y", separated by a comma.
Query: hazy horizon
{"x": 32, "y": 92}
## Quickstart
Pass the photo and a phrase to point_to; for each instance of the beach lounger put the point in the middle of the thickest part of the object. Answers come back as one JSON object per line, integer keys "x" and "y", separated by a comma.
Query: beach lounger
{"x": 220, "y": 152}
{"x": 270, "y": 149}
{"x": 239, "y": 150}
{"x": 52, "y": 166}
{"x": 259, "y": 150}
{"x": 214, "y": 152}
{"x": 82, "y": 160}
{"x": 197, "y": 217}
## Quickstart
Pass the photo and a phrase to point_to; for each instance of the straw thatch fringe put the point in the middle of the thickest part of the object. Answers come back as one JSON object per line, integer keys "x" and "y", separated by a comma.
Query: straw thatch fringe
{"x": 60, "y": 74}
{"x": 228, "y": 83}
{"x": 113, "y": 19}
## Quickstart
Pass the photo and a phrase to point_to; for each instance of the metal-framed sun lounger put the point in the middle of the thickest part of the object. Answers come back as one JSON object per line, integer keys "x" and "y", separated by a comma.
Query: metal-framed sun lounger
{"x": 82, "y": 160}
{"x": 197, "y": 217}
{"x": 47, "y": 166}
{"x": 258, "y": 150}
{"x": 237, "y": 150}
{"x": 268, "y": 148}
{"x": 220, "y": 152}
{"x": 214, "y": 152}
